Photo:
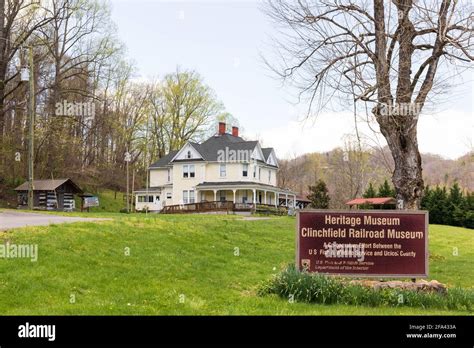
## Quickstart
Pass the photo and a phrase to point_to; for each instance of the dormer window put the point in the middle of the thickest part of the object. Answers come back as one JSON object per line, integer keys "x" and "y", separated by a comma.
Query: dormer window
{"x": 189, "y": 155}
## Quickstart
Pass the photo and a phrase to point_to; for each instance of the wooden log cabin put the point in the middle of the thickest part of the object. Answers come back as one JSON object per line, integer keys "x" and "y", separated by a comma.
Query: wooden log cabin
{"x": 57, "y": 194}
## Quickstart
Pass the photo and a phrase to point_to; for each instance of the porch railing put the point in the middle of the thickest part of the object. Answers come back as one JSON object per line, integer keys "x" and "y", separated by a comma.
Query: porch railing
{"x": 228, "y": 206}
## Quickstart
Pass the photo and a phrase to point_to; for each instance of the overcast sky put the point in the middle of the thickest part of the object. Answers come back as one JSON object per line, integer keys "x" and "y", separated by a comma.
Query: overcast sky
{"x": 223, "y": 41}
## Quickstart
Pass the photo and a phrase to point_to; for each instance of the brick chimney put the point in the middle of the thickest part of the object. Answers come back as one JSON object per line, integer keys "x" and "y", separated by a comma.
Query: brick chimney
{"x": 221, "y": 128}
{"x": 235, "y": 131}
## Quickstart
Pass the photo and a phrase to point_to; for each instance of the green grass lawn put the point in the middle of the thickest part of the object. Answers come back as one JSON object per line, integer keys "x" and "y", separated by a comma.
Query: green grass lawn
{"x": 182, "y": 264}
{"x": 109, "y": 201}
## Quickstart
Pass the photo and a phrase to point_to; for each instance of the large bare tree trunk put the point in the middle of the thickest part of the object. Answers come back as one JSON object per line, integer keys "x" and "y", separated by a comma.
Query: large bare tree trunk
{"x": 407, "y": 176}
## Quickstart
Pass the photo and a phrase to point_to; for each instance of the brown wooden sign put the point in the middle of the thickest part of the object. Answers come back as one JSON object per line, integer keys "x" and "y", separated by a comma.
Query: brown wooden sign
{"x": 376, "y": 243}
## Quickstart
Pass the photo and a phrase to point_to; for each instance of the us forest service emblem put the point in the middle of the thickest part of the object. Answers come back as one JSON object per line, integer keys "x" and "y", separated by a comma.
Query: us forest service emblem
{"x": 305, "y": 263}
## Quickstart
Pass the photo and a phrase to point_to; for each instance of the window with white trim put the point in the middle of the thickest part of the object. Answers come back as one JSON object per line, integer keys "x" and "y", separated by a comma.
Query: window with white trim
{"x": 188, "y": 196}
{"x": 222, "y": 170}
{"x": 143, "y": 199}
{"x": 185, "y": 196}
{"x": 245, "y": 170}
{"x": 185, "y": 171}
{"x": 168, "y": 195}
{"x": 188, "y": 171}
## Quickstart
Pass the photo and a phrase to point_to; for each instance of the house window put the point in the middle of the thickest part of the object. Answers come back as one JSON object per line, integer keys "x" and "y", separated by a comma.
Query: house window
{"x": 244, "y": 197}
{"x": 189, "y": 154}
{"x": 188, "y": 171}
{"x": 188, "y": 196}
{"x": 269, "y": 175}
{"x": 169, "y": 174}
{"x": 222, "y": 170}
{"x": 168, "y": 195}
{"x": 255, "y": 171}
{"x": 245, "y": 170}
{"x": 222, "y": 196}
{"x": 259, "y": 173}
{"x": 185, "y": 197}
{"x": 185, "y": 171}
{"x": 143, "y": 199}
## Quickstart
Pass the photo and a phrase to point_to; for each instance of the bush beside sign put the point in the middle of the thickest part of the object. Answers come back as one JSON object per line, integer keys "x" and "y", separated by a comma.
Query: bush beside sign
{"x": 363, "y": 243}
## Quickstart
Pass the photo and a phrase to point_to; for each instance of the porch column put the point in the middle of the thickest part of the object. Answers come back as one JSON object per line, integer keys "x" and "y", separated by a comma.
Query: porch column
{"x": 294, "y": 201}
{"x": 215, "y": 195}
{"x": 286, "y": 200}
{"x": 254, "y": 196}
{"x": 276, "y": 199}
{"x": 265, "y": 197}
{"x": 235, "y": 196}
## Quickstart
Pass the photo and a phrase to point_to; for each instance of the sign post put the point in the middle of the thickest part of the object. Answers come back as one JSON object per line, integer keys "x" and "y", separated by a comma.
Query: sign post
{"x": 370, "y": 243}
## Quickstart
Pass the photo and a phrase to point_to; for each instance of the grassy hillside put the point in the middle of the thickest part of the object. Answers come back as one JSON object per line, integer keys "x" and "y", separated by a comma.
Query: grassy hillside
{"x": 184, "y": 264}
{"x": 108, "y": 202}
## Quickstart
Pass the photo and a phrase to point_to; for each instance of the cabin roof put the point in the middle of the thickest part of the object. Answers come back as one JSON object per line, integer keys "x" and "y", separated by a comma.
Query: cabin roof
{"x": 48, "y": 185}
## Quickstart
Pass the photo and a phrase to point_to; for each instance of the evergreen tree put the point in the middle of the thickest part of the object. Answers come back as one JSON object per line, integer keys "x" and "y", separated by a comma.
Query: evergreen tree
{"x": 439, "y": 208}
{"x": 370, "y": 192}
{"x": 385, "y": 190}
{"x": 468, "y": 220}
{"x": 319, "y": 195}
{"x": 427, "y": 198}
{"x": 455, "y": 206}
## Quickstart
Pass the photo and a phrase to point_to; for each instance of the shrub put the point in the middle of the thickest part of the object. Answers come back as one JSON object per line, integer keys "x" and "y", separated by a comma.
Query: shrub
{"x": 323, "y": 289}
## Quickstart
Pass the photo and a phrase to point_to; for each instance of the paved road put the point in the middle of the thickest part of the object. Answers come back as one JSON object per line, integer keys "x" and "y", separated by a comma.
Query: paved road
{"x": 14, "y": 219}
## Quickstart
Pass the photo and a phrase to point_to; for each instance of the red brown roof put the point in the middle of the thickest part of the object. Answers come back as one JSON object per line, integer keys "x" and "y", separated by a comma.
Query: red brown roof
{"x": 373, "y": 201}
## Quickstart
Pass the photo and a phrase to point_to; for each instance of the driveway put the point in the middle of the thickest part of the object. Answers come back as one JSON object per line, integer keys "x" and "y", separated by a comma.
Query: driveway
{"x": 15, "y": 219}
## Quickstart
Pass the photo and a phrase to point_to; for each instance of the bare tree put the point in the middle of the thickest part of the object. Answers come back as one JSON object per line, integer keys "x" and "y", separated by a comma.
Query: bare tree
{"x": 394, "y": 55}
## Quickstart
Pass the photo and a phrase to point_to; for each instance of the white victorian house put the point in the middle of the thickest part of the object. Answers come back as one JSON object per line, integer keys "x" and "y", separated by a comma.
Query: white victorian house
{"x": 224, "y": 168}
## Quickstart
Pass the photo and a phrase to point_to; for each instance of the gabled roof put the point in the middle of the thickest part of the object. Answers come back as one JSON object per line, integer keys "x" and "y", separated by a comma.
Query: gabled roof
{"x": 209, "y": 149}
{"x": 48, "y": 185}
{"x": 267, "y": 151}
{"x": 165, "y": 160}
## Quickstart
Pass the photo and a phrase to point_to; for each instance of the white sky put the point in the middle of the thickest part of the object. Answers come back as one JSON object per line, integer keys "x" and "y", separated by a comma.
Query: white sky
{"x": 223, "y": 42}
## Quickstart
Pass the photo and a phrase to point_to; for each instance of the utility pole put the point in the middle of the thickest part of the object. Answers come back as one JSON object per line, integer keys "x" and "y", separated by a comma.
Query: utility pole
{"x": 128, "y": 158}
{"x": 146, "y": 166}
{"x": 31, "y": 145}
